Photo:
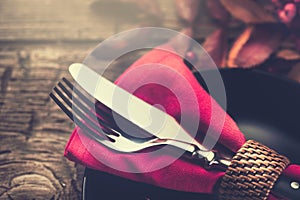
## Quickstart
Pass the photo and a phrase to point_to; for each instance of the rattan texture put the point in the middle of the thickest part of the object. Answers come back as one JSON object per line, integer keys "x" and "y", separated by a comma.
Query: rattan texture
{"x": 252, "y": 173}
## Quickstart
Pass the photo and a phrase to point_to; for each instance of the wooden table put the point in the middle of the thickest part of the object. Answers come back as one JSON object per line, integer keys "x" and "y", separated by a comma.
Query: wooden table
{"x": 38, "y": 41}
{"x": 33, "y": 131}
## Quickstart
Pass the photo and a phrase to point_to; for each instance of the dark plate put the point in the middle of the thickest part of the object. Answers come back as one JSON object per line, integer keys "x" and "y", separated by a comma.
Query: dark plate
{"x": 266, "y": 108}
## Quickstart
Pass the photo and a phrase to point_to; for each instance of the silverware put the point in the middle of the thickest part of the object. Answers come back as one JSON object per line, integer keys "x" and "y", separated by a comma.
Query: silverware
{"x": 135, "y": 110}
{"x": 79, "y": 108}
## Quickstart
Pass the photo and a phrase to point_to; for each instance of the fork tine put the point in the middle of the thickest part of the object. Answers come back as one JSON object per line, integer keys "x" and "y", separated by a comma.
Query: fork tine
{"x": 61, "y": 105}
{"x": 86, "y": 100}
{"x": 77, "y": 102}
{"x": 69, "y": 113}
{"x": 77, "y": 109}
{"x": 75, "y": 113}
{"x": 114, "y": 128}
{"x": 83, "y": 97}
{"x": 77, "y": 92}
{"x": 85, "y": 108}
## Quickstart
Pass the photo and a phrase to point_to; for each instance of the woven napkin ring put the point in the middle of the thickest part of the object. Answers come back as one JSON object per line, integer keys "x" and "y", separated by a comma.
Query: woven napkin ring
{"x": 252, "y": 173}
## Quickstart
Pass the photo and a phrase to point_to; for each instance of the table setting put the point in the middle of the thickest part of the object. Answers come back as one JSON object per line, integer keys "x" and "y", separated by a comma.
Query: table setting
{"x": 121, "y": 137}
{"x": 151, "y": 115}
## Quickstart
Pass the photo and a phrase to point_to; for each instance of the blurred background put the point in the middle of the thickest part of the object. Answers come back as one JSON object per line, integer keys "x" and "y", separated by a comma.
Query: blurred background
{"x": 40, "y": 39}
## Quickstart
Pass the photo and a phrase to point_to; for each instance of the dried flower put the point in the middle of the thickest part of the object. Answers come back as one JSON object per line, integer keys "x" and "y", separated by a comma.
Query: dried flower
{"x": 269, "y": 36}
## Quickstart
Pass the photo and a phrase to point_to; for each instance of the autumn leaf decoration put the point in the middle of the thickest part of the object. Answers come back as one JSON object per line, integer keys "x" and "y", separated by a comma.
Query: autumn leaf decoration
{"x": 249, "y": 33}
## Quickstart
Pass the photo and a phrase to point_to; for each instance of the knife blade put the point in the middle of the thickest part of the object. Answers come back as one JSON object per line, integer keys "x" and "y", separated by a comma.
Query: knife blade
{"x": 137, "y": 111}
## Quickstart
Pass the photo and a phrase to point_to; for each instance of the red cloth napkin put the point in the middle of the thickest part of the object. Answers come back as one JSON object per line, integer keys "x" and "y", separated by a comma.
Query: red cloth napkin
{"x": 180, "y": 175}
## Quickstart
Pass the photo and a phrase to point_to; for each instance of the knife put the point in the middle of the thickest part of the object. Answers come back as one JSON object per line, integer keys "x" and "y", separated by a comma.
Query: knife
{"x": 137, "y": 110}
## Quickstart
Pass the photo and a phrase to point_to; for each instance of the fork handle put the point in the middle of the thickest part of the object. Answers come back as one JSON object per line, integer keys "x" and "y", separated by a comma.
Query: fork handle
{"x": 212, "y": 160}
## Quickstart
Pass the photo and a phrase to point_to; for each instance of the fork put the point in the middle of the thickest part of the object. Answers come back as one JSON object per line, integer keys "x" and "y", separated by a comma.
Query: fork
{"x": 79, "y": 108}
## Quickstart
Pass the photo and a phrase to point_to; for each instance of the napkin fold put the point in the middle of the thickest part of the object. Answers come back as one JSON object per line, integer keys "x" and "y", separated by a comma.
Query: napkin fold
{"x": 180, "y": 175}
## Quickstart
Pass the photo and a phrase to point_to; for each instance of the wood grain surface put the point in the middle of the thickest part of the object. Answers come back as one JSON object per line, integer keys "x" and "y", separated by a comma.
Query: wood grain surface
{"x": 38, "y": 41}
{"x": 33, "y": 131}
{"x": 77, "y": 19}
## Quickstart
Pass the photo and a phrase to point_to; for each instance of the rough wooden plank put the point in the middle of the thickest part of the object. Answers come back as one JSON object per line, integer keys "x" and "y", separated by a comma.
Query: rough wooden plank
{"x": 33, "y": 130}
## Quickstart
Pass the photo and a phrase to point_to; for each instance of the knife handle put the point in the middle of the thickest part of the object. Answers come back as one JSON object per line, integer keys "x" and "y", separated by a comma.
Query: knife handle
{"x": 285, "y": 187}
{"x": 212, "y": 160}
